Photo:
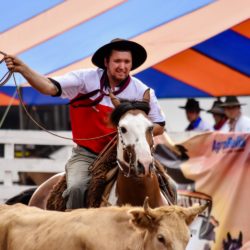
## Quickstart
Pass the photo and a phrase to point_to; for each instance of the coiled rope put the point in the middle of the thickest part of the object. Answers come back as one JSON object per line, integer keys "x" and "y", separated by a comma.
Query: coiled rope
{"x": 6, "y": 78}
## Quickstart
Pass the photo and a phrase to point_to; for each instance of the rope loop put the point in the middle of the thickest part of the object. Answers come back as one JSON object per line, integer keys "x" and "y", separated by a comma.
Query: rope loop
{"x": 7, "y": 75}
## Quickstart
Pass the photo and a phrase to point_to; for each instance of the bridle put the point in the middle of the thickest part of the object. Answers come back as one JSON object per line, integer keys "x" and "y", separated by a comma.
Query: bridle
{"x": 130, "y": 165}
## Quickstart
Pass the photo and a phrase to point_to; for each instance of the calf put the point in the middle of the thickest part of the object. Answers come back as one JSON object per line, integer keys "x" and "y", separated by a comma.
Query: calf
{"x": 108, "y": 228}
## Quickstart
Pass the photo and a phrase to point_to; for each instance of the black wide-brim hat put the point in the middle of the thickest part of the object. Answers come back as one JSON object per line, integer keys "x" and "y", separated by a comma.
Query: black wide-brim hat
{"x": 192, "y": 105}
{"x": 231, "y": 101}
{"x": 216, "y": 108}
{"x": 139, "y": 54}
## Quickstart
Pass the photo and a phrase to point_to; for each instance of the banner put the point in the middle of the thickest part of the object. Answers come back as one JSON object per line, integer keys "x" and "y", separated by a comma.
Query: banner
{"x": 215, "y": 168}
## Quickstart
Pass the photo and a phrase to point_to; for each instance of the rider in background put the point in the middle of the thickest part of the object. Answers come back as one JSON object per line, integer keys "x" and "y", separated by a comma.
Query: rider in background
{"x": 90, "y": 104}
{"x": 196, "y": 123}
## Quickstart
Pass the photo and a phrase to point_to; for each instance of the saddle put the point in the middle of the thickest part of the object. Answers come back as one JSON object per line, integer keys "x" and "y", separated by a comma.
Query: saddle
{"x": 104, "y": 171}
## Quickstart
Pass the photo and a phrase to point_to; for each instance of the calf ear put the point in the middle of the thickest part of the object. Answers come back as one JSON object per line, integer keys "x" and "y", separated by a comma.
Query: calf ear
{"x": 143, "y": 218}
{"x": 192, "y": 212}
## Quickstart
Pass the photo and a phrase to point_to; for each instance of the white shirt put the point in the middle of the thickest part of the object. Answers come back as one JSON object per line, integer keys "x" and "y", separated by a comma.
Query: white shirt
{"x": 200, "y": 125}
{"x": 203, "y": 126}
{"x": 86, "y": 80}
{"x": 241, "y": 125}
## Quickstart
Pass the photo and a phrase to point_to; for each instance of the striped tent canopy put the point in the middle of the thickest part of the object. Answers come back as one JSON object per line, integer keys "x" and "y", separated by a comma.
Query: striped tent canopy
{"x": 195, "y": 48}
{"x": 218, "y": 66}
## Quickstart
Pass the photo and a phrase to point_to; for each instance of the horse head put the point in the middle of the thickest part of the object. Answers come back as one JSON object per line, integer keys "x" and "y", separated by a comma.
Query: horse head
{"x": 135, "y": 136}
{"x": 231, "y": 243}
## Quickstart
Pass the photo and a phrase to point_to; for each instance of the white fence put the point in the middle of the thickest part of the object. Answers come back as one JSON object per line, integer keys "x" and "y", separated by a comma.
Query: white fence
{"x": 10, "y": 166}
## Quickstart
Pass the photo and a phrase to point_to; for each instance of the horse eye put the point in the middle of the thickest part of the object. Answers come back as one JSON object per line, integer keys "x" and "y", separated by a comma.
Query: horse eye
{"x": 123, "y": 130}
{"x": 161, "y": 238}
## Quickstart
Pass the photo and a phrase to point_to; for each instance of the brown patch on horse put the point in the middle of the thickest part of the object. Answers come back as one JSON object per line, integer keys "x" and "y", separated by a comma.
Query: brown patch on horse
{"x": 129, "y": 154}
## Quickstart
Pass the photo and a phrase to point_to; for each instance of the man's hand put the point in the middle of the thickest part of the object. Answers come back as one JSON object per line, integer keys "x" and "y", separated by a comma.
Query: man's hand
{"x": 14, "y": 64}
{"x": 36, "y": 80}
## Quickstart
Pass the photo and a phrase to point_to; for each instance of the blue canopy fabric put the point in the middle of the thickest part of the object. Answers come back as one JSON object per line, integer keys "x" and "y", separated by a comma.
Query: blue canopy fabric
{"x": 125, "y": 19}
{"x": 228, "y": 51}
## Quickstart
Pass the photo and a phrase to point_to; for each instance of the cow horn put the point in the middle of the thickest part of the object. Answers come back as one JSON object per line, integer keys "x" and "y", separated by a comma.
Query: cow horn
{"x": 146, "y": 207}
{"x": 145, "y": 204}
{"x": 194, "y": 211}
{"x": 146, "y": 96}
{"x": 115, "y": 101}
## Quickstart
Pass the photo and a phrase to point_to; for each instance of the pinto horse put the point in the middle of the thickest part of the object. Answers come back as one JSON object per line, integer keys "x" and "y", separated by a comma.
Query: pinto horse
{"x": 137, "y": 176}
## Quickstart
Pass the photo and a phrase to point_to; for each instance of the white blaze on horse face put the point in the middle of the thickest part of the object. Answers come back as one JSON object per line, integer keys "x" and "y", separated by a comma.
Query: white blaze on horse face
{"x": 136, "y": 127}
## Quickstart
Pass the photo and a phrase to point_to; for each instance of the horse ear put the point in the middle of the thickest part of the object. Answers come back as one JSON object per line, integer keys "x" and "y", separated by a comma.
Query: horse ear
{"x": 240, "y": 237}
{"x": 115, "y": 101}
{"x": 229, "y": 237}
{"x": 192, "y": 212}
{"x": 146, "y": 96}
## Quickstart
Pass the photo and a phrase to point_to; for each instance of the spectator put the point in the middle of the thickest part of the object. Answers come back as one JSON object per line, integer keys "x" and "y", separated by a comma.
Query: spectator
{"x": 237, "y": 122}
{"x": 193, "y": 109}
{"x": 218, "y": 114}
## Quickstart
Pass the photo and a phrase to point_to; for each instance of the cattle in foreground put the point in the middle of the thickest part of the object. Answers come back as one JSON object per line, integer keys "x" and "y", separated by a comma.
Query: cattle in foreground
{"x": 107, "y": 228}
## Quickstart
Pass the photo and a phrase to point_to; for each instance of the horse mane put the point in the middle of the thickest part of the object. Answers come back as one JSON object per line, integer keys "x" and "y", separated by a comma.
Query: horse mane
{"x": 125, "y": 106}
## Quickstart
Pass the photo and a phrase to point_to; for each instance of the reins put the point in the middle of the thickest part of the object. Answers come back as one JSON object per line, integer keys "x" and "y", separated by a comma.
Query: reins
{"x": 130, "y": 165}
{"x": 6, "y": 78}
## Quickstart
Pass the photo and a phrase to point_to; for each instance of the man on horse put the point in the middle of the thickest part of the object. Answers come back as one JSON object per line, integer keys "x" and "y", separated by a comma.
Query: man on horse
{"x": 90, "y": 104}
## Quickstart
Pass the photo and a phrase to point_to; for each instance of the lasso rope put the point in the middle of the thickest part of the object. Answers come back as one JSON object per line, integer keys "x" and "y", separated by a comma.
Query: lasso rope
{"x": 7, "y": 75}
{"x": 8, "y": 108}
{"x": 6, "y": 78}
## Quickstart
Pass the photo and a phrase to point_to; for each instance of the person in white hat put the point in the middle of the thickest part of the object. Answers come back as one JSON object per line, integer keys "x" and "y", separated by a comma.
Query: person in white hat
{"x": 237, "y": 122}
{"x": 90, "y": 105}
